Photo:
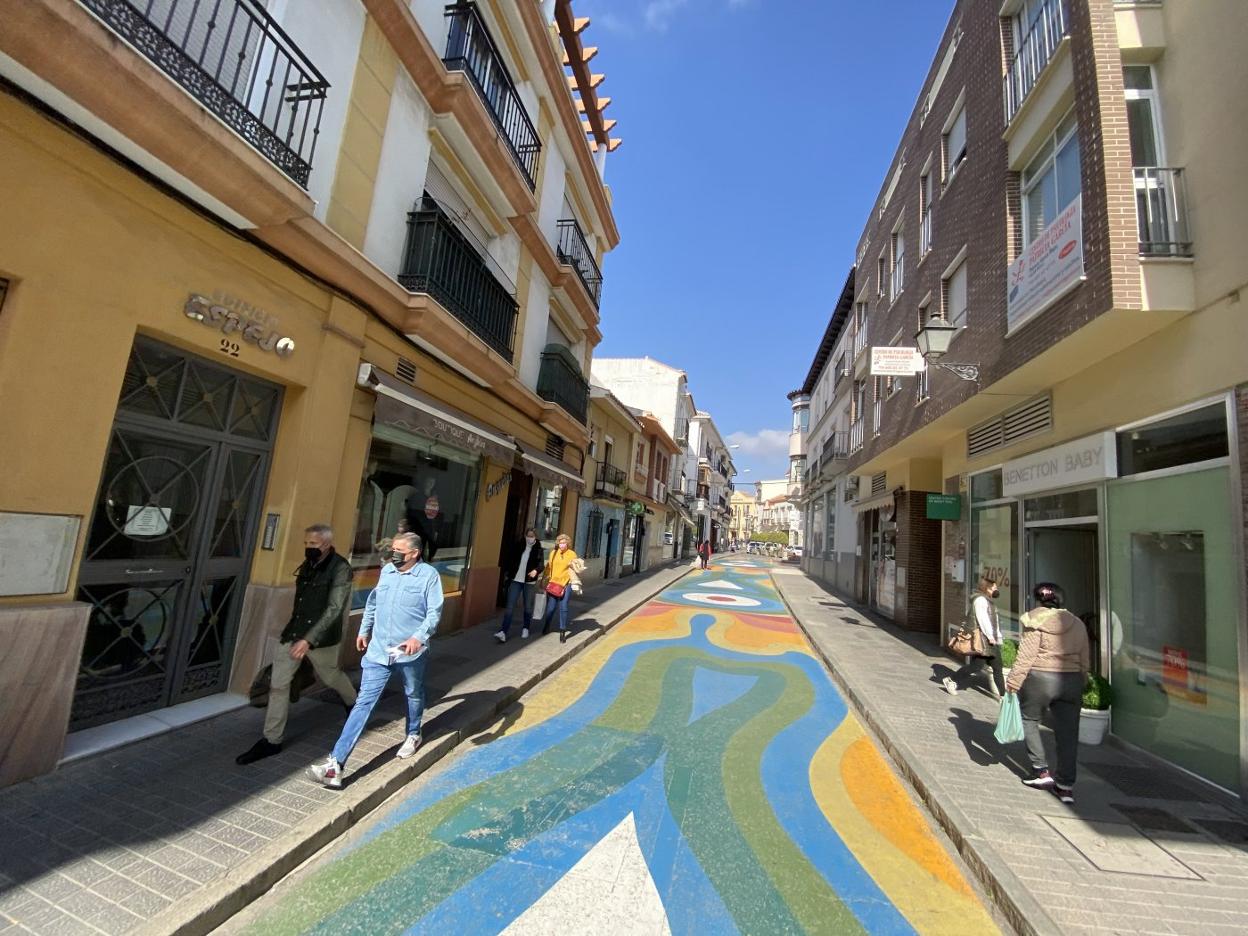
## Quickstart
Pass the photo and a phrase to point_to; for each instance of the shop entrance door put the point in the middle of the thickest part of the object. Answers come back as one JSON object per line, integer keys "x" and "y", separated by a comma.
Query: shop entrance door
{"x": 1068, "y": 557}
{"x": 612, "y": 531}
{"x": 170, "y": 540}
{"x": 515, "y": 519}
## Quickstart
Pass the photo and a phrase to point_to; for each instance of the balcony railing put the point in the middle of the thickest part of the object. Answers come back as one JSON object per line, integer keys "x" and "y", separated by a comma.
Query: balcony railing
{"x": 856, "y": 435}
{"x": 836, "y": 447}
{"x": 233, "y": 58}
{"x": 877, "y": 414}
{"x": 439, "y": 260}
{"x": 560, "y": 381}
{"x": 609, "y": 480}
{"x": 1161, "y": 207}
{"x": 861, "y": 337}
{"x": 658, "y": 491}
{"x": 1033, "y": 54}
{"x": 574, "y": 250}
{"x": 471, "y": 49}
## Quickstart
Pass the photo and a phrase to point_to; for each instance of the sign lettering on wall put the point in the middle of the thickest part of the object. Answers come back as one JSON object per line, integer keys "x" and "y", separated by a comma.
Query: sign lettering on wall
{"x": 1051, "y": 265}
{"x": 1082, "y": 461}
{"x": 239, "y": 323}
{"x": 896, "y": 362}
{"x": 496, "y": 487}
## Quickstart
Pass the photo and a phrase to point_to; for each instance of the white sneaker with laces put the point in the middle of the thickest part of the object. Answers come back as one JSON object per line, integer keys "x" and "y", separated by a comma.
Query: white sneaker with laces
{"x": 410, "y": 744}
{"x": 328, "y": 773}
{"x": 500, "y": 636}
{"x": 524, "y": 633}
{"x": 950, "y": 686}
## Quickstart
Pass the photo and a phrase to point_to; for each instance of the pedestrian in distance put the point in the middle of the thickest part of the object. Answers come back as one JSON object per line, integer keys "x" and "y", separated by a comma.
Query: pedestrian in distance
{"x": 322, "y": 589}
{"x": 558, "y": 575}
{"x": 522, "y": 564}
{"x": 400, "y": 619}
{"x": 1049, "y": 675}
{"x": 704, "y": 552}
{"x": 983, "y": 619}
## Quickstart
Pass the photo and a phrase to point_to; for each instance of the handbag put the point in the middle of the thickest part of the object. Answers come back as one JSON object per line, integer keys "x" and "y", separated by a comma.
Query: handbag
{"x": 555, "y": 590}
{"x": 966, "y": 643}
{"x": 1009, "y": 720}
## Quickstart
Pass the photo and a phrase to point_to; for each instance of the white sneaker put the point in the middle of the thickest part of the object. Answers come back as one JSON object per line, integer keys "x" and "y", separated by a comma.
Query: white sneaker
{"x": 500, "y": 636}
{"x": 950, "y": 686}
{"x": 329, "y": 773}
{"x": 524, "y": 633}
{"x": 410, "y": 744}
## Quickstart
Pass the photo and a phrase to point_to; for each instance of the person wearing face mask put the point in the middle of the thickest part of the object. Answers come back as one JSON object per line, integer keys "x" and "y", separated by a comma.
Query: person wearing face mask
{"x": 521, "y": 566}
{"x": 322, "y": 588}
{"x": 400, "y": 618}
{"x": 559, "y": 573}
{"x": 984, "y": 613}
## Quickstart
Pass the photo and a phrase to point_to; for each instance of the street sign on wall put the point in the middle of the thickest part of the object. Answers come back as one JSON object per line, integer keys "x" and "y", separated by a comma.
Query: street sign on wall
{"x": 944, "y": 506}
{"x": 896, "y": 362}
{"x": 1049, "y": 267}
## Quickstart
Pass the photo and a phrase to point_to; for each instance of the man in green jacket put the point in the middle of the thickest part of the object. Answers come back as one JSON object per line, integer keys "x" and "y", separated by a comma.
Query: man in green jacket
{"x": 322, "y": 589}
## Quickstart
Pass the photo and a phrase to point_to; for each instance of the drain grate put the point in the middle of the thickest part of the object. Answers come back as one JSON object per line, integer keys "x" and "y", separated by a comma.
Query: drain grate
{"x": 1153, "y": 820}
{"x": 1143, "y": 782}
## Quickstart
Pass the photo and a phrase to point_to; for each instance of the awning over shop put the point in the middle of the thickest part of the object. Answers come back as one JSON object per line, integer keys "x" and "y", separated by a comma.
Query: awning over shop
{"x": 883, "y": 502}
{"x": 406, "y": 408}
{"x": 541, "y": 465}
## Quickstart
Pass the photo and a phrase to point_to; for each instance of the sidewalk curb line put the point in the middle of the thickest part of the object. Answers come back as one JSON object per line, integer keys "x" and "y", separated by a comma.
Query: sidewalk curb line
{"x": 1007, "y": 892}
{"x": 239, "y": 887}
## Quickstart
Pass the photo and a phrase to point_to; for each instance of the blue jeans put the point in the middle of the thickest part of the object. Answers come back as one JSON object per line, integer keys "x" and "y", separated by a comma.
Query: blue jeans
{"x": 562, "y": 605}
{"x": 372, "y": 681}
{"x": 516, "y": 590}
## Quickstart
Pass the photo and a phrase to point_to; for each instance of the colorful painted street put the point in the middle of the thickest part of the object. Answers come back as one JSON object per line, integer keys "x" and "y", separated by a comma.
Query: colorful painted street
{"x": 696, "y": 771}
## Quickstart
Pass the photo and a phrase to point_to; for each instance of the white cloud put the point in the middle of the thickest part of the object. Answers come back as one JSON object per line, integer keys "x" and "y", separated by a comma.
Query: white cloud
{"x": 658, "y": 13}
{"x": 615, "y": 24}
{"x": 766, "y": 443}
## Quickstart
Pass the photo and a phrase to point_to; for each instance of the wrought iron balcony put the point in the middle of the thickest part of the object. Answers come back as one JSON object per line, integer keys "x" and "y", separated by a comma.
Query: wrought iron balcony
{"x": 1161, "y": 207}
{"x": 233, "y": 58}
{"x": 574, "y": 250}
{"x": 609, "y": 480}
{"x": 836, "y": 447}
{"x": 560, "y": 381}
{"x": 471, "y": 49}
{"x": 856, "y": 435}
{"x": 1033, "y": 54}
{"x": 441, "y": 261}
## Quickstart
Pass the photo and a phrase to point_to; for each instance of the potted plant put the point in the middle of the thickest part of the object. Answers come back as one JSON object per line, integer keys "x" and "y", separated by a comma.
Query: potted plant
{"x": 1098, "y": 696}
{"x": 1009, "y": 653}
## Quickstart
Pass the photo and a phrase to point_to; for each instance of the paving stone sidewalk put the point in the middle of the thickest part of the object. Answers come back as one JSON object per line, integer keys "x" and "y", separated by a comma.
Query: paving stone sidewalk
{"x": 169, "y": 835}
{"x": 1146, "y": 849}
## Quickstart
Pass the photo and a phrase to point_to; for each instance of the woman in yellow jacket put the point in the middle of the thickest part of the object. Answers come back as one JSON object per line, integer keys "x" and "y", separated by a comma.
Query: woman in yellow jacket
{"x": 560, "y": 571}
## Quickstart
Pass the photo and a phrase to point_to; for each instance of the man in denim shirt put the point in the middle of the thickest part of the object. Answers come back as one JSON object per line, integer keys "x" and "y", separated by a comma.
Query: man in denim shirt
{"x": 399, "y": 619}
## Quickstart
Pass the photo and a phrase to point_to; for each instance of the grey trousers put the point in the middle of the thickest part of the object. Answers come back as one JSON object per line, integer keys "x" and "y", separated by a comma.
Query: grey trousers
{"x": 1061, "y": 694}
{"x": 324, "y": 662}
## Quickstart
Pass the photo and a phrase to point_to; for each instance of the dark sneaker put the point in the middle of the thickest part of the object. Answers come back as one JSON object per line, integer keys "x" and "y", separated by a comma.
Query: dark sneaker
{"x": 1041, "y": 781}
{"x": 563, "y": 636}
{"x": 1065, "y": 794}
{"x": 258, "y": 751}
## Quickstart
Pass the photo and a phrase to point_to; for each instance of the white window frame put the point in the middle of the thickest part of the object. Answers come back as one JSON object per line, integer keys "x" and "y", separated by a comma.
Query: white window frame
{"x": 1046, "y": 158}
{"x": 946, "y": 278}
{"x": 897, "y": 257}
{"x": 922, "y": 390}
{"x": 950, "y": 162}
{"x": 881, "y": 274}
{"x": 1154, "y": 101}
{"x": 925, "y": 211}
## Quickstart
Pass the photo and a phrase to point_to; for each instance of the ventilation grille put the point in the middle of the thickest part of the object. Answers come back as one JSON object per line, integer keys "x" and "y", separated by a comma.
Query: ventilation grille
{"x": 406, "y": 370}
{"x": 555, "y": 446}
{"x": 878, "y": 483}
{"x": 1032, "y": 418}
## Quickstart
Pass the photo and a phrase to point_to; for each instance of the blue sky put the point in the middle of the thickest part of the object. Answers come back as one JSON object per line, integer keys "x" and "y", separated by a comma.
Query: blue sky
{"x": 756, "y": 136}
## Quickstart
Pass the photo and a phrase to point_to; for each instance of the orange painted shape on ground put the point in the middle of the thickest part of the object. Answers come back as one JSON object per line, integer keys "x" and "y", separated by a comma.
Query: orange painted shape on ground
{"x": 880, "y": 798}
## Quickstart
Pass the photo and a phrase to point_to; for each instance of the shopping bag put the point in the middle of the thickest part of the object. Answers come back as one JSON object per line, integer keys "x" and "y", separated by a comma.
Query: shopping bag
{"x": 539, "y": 606}
{"x": 1009, "y": 720}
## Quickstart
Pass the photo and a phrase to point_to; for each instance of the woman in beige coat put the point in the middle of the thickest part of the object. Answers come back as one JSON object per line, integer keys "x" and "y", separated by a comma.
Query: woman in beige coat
{"x": 1049, "y": 674}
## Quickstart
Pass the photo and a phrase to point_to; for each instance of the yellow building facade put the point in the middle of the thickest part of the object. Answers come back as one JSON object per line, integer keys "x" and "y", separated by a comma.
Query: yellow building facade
{"x": 204, "y": 349}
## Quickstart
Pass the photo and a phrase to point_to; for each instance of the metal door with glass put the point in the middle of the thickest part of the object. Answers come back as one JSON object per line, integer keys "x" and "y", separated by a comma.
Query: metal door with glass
{"x": 171, "y": 536}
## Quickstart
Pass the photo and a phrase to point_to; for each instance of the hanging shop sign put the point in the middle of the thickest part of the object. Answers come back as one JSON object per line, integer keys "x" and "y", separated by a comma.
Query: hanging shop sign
{"x": 896, "y": 362}
{"x": 1094, "y": 458}
{"x": 239, "y": 324}
{"x": 1050, "y": 267}
{"x": 944, "y": 507}
{"x": 635, "y": 508}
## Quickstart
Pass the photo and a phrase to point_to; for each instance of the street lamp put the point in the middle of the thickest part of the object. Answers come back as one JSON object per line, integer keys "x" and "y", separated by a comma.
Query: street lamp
{"x": 933, "y": 340}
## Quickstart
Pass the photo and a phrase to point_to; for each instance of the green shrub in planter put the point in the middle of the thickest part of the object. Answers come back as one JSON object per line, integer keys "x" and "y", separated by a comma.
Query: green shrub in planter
{"x": 1098, "y": 694}
{"x": 1009, "y": 653}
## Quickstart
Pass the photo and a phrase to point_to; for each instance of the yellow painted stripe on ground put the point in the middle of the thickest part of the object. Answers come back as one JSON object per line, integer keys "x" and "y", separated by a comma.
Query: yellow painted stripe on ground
{"x": 865, "y": 803}
{"x": 730, "y": 633}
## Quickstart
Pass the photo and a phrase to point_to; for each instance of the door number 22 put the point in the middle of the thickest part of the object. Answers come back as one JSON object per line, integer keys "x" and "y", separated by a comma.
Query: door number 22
{"x": 229, "y": 347}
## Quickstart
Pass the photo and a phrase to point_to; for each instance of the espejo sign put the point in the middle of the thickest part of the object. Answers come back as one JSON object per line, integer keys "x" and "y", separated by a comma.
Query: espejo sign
{"x": 1082, "y": 461}
{"x": 1050, "y": 266}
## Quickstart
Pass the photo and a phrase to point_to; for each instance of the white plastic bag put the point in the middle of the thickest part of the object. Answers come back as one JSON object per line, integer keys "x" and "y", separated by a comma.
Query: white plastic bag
{"x": 539, "y": 606}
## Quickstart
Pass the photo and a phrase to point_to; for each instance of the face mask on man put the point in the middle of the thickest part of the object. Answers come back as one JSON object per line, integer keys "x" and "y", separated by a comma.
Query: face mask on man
{"x": 398, "y": 557}
{"x": 311, "y": 554}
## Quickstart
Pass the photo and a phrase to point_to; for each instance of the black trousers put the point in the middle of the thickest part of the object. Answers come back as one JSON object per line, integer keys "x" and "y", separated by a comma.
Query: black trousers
{"x": 976, "y": 663}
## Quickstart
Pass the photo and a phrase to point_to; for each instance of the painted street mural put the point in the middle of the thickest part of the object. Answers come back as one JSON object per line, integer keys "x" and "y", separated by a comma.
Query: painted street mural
{"x": 694, "y": 772}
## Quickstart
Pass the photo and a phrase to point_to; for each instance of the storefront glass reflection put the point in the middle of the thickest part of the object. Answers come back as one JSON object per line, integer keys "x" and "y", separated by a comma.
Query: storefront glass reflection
{"x": 994, "y": 553}
{"x": 549, "y": 509}
{"x": 419, "y": 486}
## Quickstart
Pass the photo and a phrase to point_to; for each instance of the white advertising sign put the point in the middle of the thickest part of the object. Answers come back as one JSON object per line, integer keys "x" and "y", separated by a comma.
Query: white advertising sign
{"x": 896, "y": 362}
{"x": 1049, "y": 266}
{"x": 1094, "y": 458}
